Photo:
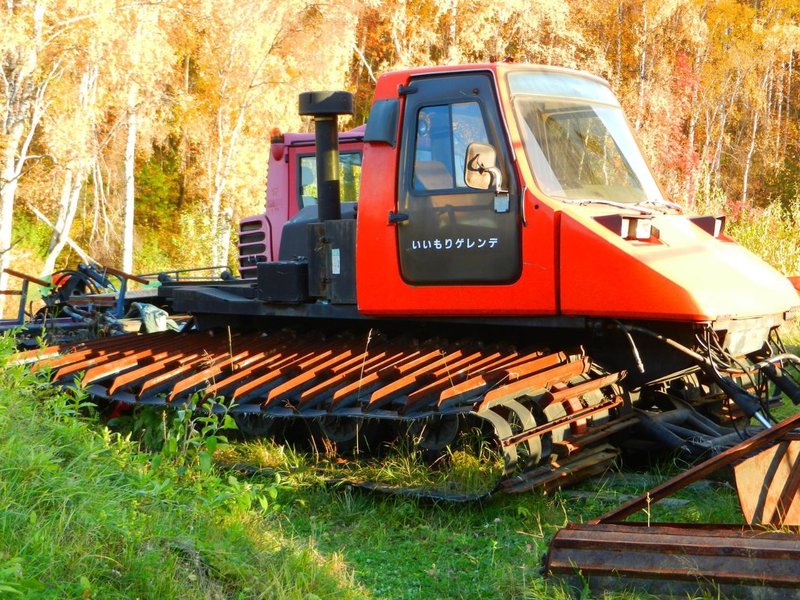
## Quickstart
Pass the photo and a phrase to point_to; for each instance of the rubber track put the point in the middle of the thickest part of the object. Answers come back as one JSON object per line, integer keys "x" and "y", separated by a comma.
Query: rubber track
{"x": 523, "y": 394}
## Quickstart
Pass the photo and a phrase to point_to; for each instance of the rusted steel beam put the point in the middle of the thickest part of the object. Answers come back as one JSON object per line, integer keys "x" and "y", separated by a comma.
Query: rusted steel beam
{"x": 125, "y": 275}
{"x": 82, "y": 353}
{"x": 286, "y": 366}
{"x": 677, "y": 559}
{"x": 32, "y": 279}
{"x": 506, "y": 369}
{"x": 594, "y": 434}
{"x": 420, "y": 374}
{"x": 341, "y": 376}
{"x": 361, "y": 387}
{"x": 448, "y": 378}
{"x": 217, "y": 364}
{"x": 537, "y": 382}
{"x": 266, "y": 360}
{"x": 559, "y": 395}
{"x": 306, "y": 377}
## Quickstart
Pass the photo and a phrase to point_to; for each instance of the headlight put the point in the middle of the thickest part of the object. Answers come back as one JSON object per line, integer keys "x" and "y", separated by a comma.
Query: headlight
{"x": 634, "y": 228}
{"x": 630, "y": 227}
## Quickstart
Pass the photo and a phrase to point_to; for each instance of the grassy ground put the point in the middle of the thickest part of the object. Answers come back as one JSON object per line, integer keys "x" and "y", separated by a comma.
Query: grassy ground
{"x": 401, "y": 548}
{"x": 85, "y": 514}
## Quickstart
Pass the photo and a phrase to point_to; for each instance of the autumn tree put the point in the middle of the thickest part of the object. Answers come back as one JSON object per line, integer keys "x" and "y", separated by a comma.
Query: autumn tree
{"x": 251, "y": 62}
{"x": 168, "y": 103}
{"x": 69, "y": 131}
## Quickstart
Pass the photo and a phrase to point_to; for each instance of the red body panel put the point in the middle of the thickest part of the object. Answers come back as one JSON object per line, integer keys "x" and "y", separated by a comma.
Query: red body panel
{"x": 380, "y": 287}
{"x": 685, "y": 275}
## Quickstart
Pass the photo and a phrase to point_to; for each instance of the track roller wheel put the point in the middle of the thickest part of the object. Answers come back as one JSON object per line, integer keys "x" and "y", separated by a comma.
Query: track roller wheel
{"x": 435, "y": 433}
{"x": 347, "y": 435}
{"x": 254, "y": 425}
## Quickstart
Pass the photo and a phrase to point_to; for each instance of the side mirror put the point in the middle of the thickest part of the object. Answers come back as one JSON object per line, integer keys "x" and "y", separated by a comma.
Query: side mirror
{"x": 481, "y": 171}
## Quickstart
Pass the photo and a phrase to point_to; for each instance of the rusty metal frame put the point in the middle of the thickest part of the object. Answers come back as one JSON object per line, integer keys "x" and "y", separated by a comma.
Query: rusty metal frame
{"x": 757, "y": 443}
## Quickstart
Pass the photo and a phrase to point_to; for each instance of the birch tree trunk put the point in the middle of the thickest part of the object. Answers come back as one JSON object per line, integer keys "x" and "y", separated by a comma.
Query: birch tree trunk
{"x": 752, "y": 149}
{"x": 749, "y": 160}
{"x": 81, "y": 158}
{"x": 221, "y": 217}
{"x": 24, "y": 107}
{"x": 70, "y": 195}
{"x": 130, "y": 164}
{"x": 725, "y": 111}
{"x": 453, "y": 55}
{"x": 8, "y": 192}
{"x": 694, "y": 117}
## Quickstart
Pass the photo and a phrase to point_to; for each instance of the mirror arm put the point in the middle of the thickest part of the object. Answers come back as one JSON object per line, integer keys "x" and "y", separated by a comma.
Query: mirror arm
{"x": 497, "y": 179}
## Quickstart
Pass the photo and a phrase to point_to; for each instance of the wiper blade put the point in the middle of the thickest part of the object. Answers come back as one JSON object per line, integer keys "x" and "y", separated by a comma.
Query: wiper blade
{"x": 667, "y": 203}
{"x": 622, "y": 205}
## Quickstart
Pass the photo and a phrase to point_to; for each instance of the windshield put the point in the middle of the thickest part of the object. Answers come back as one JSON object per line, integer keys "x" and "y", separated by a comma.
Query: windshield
{"x": 577, "y": 141}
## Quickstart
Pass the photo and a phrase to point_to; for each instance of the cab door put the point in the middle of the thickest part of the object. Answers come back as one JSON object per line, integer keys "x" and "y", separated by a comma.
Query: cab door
{"x": 449, "y": 233}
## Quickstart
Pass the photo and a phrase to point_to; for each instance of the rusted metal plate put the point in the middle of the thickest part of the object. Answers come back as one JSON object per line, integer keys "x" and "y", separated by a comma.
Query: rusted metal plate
{"x": 676, "y": 560}
{"x": 768, "y": 484}
{"x": 756, "y": 561}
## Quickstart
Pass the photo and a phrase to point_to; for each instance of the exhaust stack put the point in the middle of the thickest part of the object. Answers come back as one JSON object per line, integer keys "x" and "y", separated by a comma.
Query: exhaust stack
{"x": 326, "y": 107}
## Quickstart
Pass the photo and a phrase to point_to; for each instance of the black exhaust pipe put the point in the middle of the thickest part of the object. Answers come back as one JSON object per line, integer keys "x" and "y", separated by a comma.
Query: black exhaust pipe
{"x": 326, "y": 107}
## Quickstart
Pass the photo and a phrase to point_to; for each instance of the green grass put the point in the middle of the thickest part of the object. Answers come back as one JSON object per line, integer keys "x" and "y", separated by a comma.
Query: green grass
{"x": 402, "y": 548}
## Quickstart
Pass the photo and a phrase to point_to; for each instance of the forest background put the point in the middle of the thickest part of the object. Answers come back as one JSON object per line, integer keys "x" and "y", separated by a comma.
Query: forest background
{"x": 137, "y": 132}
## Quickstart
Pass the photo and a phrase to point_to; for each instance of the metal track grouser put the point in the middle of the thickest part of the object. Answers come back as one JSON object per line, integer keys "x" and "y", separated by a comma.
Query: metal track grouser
{"x": 524, "y": 400}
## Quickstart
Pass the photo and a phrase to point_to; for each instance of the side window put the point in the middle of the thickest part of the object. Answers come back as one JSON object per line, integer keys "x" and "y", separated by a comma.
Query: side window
{"x": 349, "y": 176}
{"x": 308, "y": 181}
{"x": 443, "y": 134}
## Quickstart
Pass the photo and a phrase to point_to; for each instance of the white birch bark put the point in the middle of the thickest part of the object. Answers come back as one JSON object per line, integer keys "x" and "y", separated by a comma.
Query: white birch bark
{"x": 130, "y": 164}
{"x": 749, "y": 160}
{"x": 77, "y": 169}
{"x": 24, "y": 107}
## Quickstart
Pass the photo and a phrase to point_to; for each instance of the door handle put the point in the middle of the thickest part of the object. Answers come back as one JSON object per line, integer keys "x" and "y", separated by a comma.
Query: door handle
{"x": 395, "y": 218}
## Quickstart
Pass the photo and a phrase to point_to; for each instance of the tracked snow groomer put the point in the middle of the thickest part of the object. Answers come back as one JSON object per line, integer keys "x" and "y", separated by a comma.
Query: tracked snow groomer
{"x": 510, "y": 266}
